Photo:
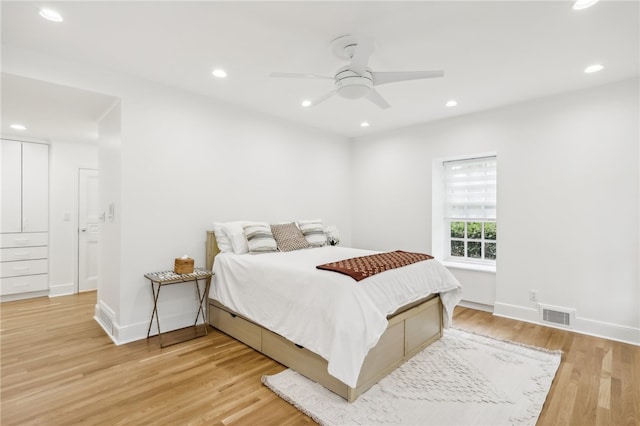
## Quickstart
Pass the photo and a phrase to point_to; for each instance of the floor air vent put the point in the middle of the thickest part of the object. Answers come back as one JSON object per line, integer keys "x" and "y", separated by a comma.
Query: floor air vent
{"x": 558, "y": 316}
{"x": 106, "y": 321}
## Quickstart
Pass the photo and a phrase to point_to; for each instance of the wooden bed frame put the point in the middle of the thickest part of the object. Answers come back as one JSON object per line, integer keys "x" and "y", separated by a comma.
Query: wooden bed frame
{"x": 411, "y": 328}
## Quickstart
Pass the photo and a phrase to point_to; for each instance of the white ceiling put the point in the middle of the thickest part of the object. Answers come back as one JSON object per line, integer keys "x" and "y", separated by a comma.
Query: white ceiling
{"x": 493, "y": 53}
{"x": 50, "y": 111}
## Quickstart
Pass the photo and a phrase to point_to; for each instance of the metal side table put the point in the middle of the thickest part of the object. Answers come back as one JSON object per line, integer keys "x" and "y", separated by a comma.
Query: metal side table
{"x": 163, "y": 278}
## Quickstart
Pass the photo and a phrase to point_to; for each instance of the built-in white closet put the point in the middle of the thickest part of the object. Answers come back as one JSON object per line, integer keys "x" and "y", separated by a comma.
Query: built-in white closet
{"x": 24, "y": 219}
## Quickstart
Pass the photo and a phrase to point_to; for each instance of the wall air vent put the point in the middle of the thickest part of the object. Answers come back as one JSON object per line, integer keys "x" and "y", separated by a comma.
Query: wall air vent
{"x": 558, "y": 316}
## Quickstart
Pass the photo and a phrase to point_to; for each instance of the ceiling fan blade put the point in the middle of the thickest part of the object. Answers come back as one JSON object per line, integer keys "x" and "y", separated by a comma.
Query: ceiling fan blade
{"x": 392, "y": 77}
{"x": 322, "y": 98}
{"x": 360, "y": 57}
{"x": 377, "y": 99}
{"x": 294, "y": 75}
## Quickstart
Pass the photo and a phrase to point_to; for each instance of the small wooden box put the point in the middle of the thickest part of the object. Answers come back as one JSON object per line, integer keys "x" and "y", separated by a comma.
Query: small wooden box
{"x": 183, "y": 266}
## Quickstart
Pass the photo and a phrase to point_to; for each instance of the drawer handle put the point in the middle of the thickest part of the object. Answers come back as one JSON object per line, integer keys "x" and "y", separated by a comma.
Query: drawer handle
{"x": 233, "y": 315}
{"x": 298, "y": 346}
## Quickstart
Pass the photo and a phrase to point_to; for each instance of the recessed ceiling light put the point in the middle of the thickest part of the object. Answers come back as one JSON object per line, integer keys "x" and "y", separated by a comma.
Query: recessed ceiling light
{"x": 593, "y": 68}
{"x": 306, "y": 103}
{"x": 51, "y": 15}
{"x": 451, "y": 103}
{"x": 220, "y": 73}
{"x": 583, "y": 4}
{"x": 18, "y": 127}
{"x": 364, "y": 124}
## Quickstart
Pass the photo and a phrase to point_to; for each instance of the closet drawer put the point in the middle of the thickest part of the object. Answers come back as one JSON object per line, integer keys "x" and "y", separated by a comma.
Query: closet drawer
{"x": 236, "y": 327}
{"x": 23, "y": 253}
{"x": 24, "y": 239}
{"x": 23, "y": 267}
{"x": 24, "y": 284}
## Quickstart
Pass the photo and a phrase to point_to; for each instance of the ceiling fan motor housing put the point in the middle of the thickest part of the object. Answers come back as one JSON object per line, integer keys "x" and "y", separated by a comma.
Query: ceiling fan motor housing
{"x": 352, "y": 85}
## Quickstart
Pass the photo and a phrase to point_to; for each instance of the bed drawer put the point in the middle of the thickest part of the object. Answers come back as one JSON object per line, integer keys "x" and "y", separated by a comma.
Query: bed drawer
{"x": 423, "y": 328}
{"x": 236, "y": 327}
{"x": 384, "y": 355}
{"x": 300, "y": 359}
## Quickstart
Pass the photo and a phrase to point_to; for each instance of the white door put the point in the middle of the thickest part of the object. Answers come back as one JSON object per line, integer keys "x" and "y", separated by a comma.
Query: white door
{"x": 88, "y": 230}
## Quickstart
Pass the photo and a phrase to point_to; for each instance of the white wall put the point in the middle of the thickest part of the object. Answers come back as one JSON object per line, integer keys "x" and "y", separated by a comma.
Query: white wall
{"x": 183, "y": 162}
{"x": 188, "y": 161}
{"x": 568, "y": 202}
{"x": 109, "y": 247}
{"x": 65, "y": 158}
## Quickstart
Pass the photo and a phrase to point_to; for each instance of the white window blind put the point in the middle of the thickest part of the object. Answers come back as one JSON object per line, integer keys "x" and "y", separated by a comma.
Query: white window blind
{"x": 470, "y": 188}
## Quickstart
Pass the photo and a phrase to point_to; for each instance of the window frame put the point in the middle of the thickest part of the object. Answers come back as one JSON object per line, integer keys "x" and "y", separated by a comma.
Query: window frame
{"x": 482, "y": 260}
{"x": 465, "y": 261}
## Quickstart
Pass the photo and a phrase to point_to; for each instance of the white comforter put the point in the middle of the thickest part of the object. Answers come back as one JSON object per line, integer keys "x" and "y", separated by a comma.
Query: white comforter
{"x": 328, "y": 313}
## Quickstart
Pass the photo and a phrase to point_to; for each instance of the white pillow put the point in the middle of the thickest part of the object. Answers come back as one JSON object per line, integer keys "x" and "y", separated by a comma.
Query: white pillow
{"x": 223, "y": 241}
{"x": 313, "y": 231}
{"x": 235, "y": 233}
{"x": 230, "y": 237}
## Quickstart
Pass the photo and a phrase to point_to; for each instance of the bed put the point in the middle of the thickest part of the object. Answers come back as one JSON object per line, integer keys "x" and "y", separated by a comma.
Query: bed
{"x": 358, "y": 341}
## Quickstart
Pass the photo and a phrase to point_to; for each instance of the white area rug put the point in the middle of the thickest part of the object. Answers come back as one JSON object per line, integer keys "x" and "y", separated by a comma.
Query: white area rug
{"x": 462, "y": 379}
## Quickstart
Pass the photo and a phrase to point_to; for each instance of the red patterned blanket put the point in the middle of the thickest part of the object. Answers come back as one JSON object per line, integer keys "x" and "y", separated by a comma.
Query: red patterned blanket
{"x": 363, "y": 267}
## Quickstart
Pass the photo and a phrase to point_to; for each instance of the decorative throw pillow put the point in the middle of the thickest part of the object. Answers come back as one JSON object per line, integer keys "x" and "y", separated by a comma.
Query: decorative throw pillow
{"x": 259, "y": 237}
{"x": 313, "y": 231}
{"x": 288, "y": 237}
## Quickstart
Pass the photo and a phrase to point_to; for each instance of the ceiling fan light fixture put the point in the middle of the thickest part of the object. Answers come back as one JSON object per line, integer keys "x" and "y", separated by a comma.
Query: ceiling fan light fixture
{"x": 50, "y": 15}
{"x": 451, "y": 103}
{"x": 583, "y": 4}
{"x": 351, "y": 85}
{"x": 354, "y": 91}
{"x": 306, "y": 103}
{"x": 364, "y": 124}
{"x": 356, "y": 80}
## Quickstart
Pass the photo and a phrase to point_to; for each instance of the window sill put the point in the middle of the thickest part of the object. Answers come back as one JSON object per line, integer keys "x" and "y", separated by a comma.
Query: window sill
{"x": 470, "y": 266}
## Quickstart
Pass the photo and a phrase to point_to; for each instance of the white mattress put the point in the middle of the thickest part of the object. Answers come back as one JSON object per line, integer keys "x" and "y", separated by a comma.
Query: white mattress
{"x": 328, "y": 313}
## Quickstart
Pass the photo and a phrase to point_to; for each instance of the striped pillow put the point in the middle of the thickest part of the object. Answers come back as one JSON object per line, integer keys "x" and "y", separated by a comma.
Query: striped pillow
{"x": 259, "y": 237}
{"x": 313, "y": 231}
{"x": 288, "y": 237}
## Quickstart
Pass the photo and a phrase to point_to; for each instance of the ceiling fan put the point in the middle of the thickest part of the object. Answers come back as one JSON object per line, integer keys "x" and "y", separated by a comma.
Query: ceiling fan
{"x": 356, "y": 80}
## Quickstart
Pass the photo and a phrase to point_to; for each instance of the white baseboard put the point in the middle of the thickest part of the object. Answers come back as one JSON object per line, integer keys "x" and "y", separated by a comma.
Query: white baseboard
{"x": 20, "y": 296}
{"x": 580, "y": 325}
{"x": 131, "y": 333}
{"x": 61, "y": 289}
{"x": 121, "y": 335}
{"x": 476, "y": 306}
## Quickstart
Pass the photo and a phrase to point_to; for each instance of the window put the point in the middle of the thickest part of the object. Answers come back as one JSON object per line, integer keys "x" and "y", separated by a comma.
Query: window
{"x": 470, "y": 210}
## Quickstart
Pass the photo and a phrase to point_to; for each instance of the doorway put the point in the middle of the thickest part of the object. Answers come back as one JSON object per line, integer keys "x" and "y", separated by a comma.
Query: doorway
{"x": 88, "y": 229}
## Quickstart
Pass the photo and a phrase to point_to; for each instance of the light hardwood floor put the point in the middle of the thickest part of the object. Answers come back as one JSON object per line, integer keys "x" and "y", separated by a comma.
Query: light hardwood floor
{"x": 59, "y": 368}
